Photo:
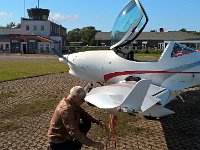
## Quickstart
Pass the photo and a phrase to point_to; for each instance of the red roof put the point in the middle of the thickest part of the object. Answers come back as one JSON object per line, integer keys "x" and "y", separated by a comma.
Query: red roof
{"x": 25, "y": 38}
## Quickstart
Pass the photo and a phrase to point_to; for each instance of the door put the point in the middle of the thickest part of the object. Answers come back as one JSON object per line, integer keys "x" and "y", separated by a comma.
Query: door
{"x": 24, "y": 49}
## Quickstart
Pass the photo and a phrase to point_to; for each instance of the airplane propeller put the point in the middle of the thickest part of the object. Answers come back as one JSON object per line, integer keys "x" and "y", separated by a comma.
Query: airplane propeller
{"x": 55, "y": 51}
{"x": 64, "y": 57}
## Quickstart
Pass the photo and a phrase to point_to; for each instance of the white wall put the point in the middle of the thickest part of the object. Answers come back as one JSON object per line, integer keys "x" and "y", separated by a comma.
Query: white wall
{"x": 38, "y": 24}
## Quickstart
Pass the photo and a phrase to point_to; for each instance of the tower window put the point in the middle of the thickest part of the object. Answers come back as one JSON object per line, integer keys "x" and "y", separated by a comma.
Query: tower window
{"x": 35, "y": 28}
{"x": 42, "y": 27}
{"x": 27, "y": 27}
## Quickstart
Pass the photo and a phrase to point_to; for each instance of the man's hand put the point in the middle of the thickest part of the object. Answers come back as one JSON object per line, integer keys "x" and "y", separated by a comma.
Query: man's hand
{"x": 98, "y": 145}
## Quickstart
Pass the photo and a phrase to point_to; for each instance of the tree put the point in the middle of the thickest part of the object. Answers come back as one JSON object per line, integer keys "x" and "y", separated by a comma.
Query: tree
{"x": 74, "y": 35}
{"x": 12, "y": 25}
{"x": 183, "y": 30}
{"x": 161, "y": 30}
{"x": 153, "y": 31}
{"x": 85, "y": 35}
{"x": 88, "y": 35}
{"x": 18, "y": 25}
{"x": 198, "y": 33}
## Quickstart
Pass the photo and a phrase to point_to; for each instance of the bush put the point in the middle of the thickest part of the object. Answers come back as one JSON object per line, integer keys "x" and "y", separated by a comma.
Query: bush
{"x": 146, "y": 51}
{"x": 138, "y": 51}
{"x": 91, "y": 48}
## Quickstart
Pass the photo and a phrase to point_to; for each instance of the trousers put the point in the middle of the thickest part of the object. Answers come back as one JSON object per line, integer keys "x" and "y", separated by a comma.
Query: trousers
{"x": 84, "y": 127}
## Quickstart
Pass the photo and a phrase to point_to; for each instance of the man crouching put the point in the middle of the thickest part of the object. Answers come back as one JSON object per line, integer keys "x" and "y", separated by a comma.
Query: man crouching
{"x": 70, "y": 123}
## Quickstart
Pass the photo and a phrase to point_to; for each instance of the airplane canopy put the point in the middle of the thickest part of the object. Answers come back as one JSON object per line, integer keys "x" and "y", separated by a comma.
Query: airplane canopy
{"x": 129, "y": 24}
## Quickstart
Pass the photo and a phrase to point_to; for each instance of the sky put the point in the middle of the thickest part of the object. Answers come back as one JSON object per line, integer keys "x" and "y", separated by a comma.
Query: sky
{"x": 172, "y": 15}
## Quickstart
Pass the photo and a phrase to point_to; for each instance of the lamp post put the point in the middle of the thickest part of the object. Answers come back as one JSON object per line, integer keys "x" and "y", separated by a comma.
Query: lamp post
{"x": 24, "y": 9}
{"x": 38, "y": 4}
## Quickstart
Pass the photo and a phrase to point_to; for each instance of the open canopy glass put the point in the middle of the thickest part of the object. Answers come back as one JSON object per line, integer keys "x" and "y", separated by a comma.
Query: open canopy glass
{"x": 129, "y": 24}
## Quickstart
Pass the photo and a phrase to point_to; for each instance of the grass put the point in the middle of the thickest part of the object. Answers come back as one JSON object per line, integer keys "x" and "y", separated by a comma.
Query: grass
{"x": 8, "y": 126}
{"x": 33, "y": 109}
{"x": 145, "y": 57}
{"x": 126, "y": 125}
{"x": 20, "y": 70}
{"x": 6, "y": 95}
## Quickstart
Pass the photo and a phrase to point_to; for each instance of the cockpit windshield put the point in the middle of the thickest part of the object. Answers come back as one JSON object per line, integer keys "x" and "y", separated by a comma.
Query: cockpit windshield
{"x": 180, "y": 50}
{"x": 130, "y": 22}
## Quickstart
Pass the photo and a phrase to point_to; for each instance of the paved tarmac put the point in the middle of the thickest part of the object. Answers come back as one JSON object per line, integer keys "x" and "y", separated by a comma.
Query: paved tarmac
{"x": 180, "y": 131}
{"x": 27, "y": 57}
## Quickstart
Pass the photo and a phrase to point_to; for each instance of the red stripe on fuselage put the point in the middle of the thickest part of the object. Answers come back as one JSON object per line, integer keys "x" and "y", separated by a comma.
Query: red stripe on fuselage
{"x": 115, "y": 74}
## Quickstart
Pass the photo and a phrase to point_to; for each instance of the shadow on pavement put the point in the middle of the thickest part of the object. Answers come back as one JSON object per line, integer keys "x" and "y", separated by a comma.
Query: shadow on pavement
{"x": 182, "y": 129}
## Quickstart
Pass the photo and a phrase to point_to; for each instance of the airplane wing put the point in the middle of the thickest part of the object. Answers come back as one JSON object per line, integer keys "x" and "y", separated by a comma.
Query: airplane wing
{"x": 127, "y": 96}
{"x": 176, "y": 86}
{"x": 130, "y": 97}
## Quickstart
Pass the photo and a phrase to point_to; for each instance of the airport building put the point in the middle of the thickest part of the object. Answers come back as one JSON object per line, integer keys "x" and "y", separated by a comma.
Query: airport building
{"x": 36, "y": 35}
{"x": 154, "y": 40}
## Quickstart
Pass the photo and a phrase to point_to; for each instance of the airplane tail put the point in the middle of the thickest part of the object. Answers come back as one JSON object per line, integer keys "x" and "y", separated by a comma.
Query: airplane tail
{"x": 157, "y": 111}
{"x": 154, "y": 102}
{"x": 136, "y": 96}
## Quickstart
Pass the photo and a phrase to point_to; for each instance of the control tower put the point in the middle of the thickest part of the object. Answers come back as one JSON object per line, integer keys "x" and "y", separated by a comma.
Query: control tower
{"x": 38, "y": 13}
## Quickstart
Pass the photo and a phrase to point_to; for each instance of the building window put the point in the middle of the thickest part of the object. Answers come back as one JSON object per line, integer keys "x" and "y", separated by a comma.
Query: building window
{"x": 42, "y": 48}
{"x": 27, "y": 27}
{"x": 32, "y": 47}
{"x": 42, "y": 27}
{"x": 160, "y": 45}
{"x": 1, "y": 46}
{"x": 7, "y": 46}
{"x": 51, "y": 28}
{"x": 47, "y": 46}
{"x": 35, "y": 28}
{"x": 15, "y": 48}
{"x": 198, "y": 46}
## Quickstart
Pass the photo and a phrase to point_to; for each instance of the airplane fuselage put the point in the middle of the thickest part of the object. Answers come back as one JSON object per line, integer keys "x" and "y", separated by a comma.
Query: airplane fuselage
{"x": 107, "y": 67}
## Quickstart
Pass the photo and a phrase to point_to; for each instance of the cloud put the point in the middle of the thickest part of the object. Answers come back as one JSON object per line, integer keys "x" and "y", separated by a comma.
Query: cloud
{"x": 5, "y": 14}
{"x": 57, "y": 17}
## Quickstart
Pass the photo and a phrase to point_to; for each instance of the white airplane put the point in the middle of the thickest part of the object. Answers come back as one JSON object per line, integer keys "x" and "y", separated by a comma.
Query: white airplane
{"x": 178, "y": 68}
